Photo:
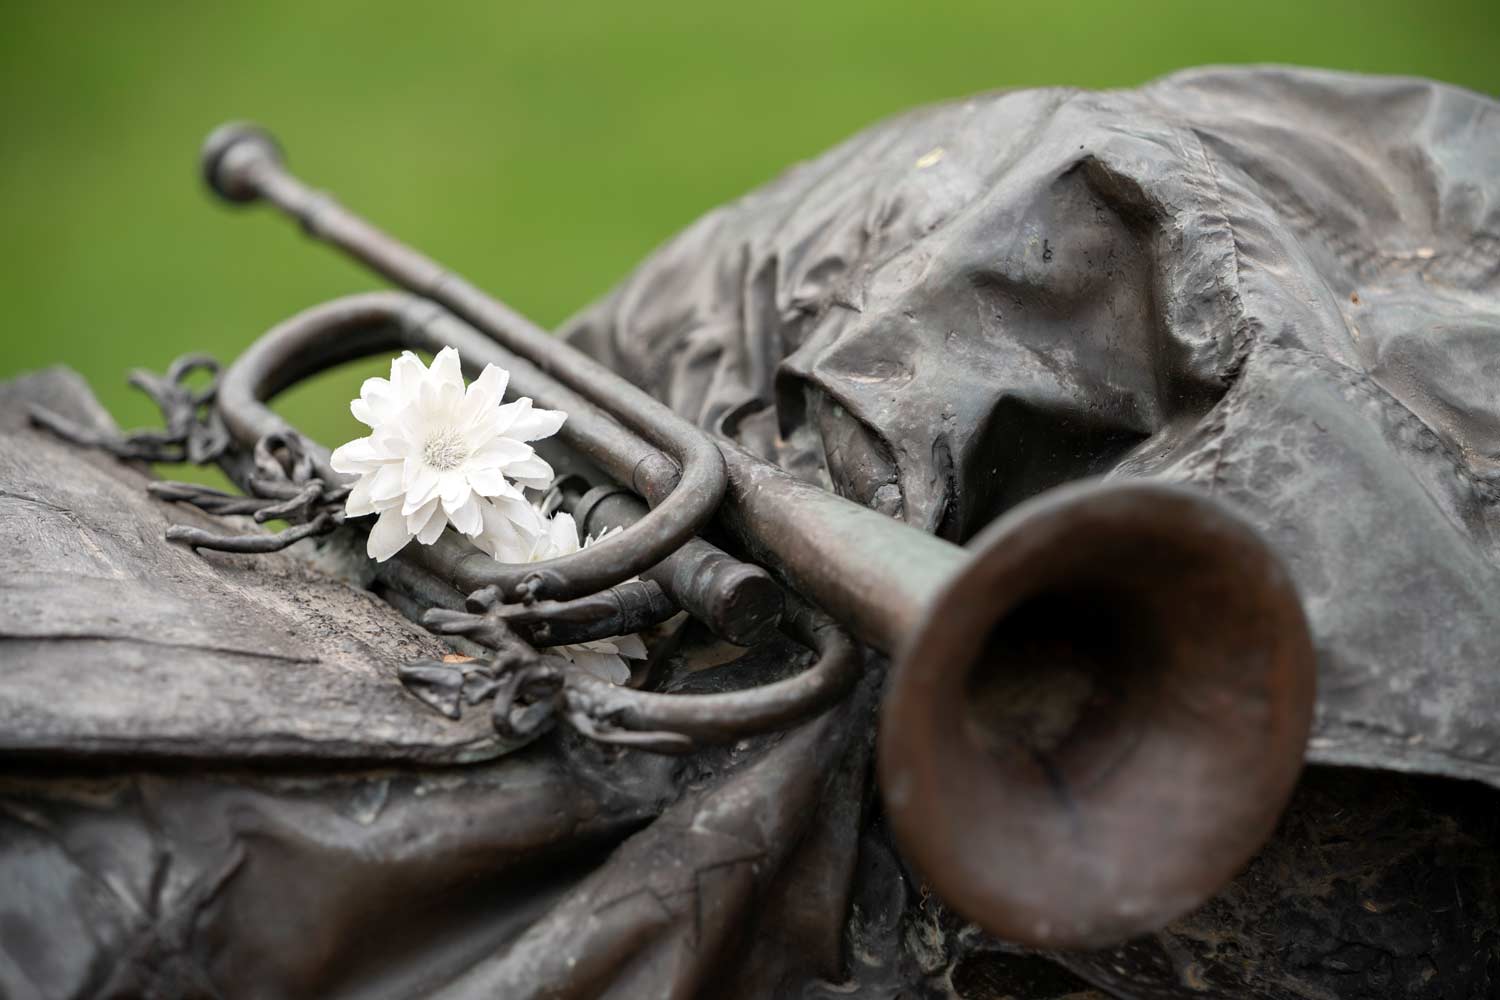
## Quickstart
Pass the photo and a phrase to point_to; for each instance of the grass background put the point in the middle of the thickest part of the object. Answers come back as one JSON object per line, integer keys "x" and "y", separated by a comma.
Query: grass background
{"x": 541, "y": 149}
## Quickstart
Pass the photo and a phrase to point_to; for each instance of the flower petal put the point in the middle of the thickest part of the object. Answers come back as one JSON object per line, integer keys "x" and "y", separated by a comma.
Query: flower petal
{"x": 355, "y": 457}
{"x": 605, "y": 666}
{"x": 467, "y": 518}
{"x": 385, "y": 484}
{"x": 630, "y": 645}
{"x": 388, "y": 536}
{"x": 446, "y": 369}
{"x": 376, "y": 386}
{"x": 526, "y": 517}
{"x": 507, "y": 414}
{"x": 359, "y": 503}
{"x": 496, "y": 451}
{"x": 407, "y": 373}
{"x": 533, "y": 472}
{"x": 438, "y": 400}
{"x": 454, "y": 491}
{"x": 411, "y": 424}
{"x": 562, "y": 534}
{"x": 537, "y": 424}
{"x": 422, "y": 488}
{"x": 377, "y": 402}
{"x": 433, "y": 529}
{"x": 421, "y": 518}
{"x": 520, "y": 421}
{"x": 602, "y": 535}
{"x": 451, "y": 399}
{"x": 503, "y": 537}
{"x": 484, "y": 394}
{"x": 490, "y": 482}
{"x": 390, "y": 443}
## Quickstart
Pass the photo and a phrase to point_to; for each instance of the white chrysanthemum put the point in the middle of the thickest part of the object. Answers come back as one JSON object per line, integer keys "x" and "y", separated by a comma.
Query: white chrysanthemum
{"x": 604, "y": 658}
{"x": 440, "y": 454}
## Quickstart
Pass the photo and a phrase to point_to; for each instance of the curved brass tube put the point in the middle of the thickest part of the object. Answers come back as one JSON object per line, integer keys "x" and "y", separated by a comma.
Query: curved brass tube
{"x": 719, "y": 718}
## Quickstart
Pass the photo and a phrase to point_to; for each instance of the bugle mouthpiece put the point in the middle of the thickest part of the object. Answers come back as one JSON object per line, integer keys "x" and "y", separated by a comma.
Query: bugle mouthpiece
{"x": 229, "y": 156}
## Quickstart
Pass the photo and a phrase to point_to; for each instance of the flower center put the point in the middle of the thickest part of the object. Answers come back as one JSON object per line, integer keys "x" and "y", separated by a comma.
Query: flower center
{"x": 445, "y": 450}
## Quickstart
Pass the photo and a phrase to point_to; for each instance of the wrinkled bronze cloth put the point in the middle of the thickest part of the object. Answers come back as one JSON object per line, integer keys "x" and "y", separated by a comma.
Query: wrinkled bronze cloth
{"x": 1281, "y": 286}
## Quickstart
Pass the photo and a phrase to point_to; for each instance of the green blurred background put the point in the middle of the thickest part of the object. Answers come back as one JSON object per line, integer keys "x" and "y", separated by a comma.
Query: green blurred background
{"x": 542, "y": 149}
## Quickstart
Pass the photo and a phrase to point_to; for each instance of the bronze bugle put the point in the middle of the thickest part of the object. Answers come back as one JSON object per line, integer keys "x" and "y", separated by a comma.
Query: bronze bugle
{"x": 1098, "y": 707}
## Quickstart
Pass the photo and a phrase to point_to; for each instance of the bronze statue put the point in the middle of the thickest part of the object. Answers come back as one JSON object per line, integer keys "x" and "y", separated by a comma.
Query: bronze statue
{"x": 1222, "y": 293}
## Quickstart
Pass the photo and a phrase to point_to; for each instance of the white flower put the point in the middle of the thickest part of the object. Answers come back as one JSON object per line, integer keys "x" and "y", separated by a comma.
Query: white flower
{"x": 440, "y": 454}
{"x": 604, "y": 658}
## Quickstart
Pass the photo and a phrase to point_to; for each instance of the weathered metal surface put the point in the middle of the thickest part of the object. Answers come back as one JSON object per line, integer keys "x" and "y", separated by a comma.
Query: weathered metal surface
{"x": 1377, "y": 885}
{"x": 1380, "y": 885}
{"x": 739, "y": 600}
{"x": 624, "y": 609}
{"x": 116, "y": 642}
{"x": 335, "y": 882}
